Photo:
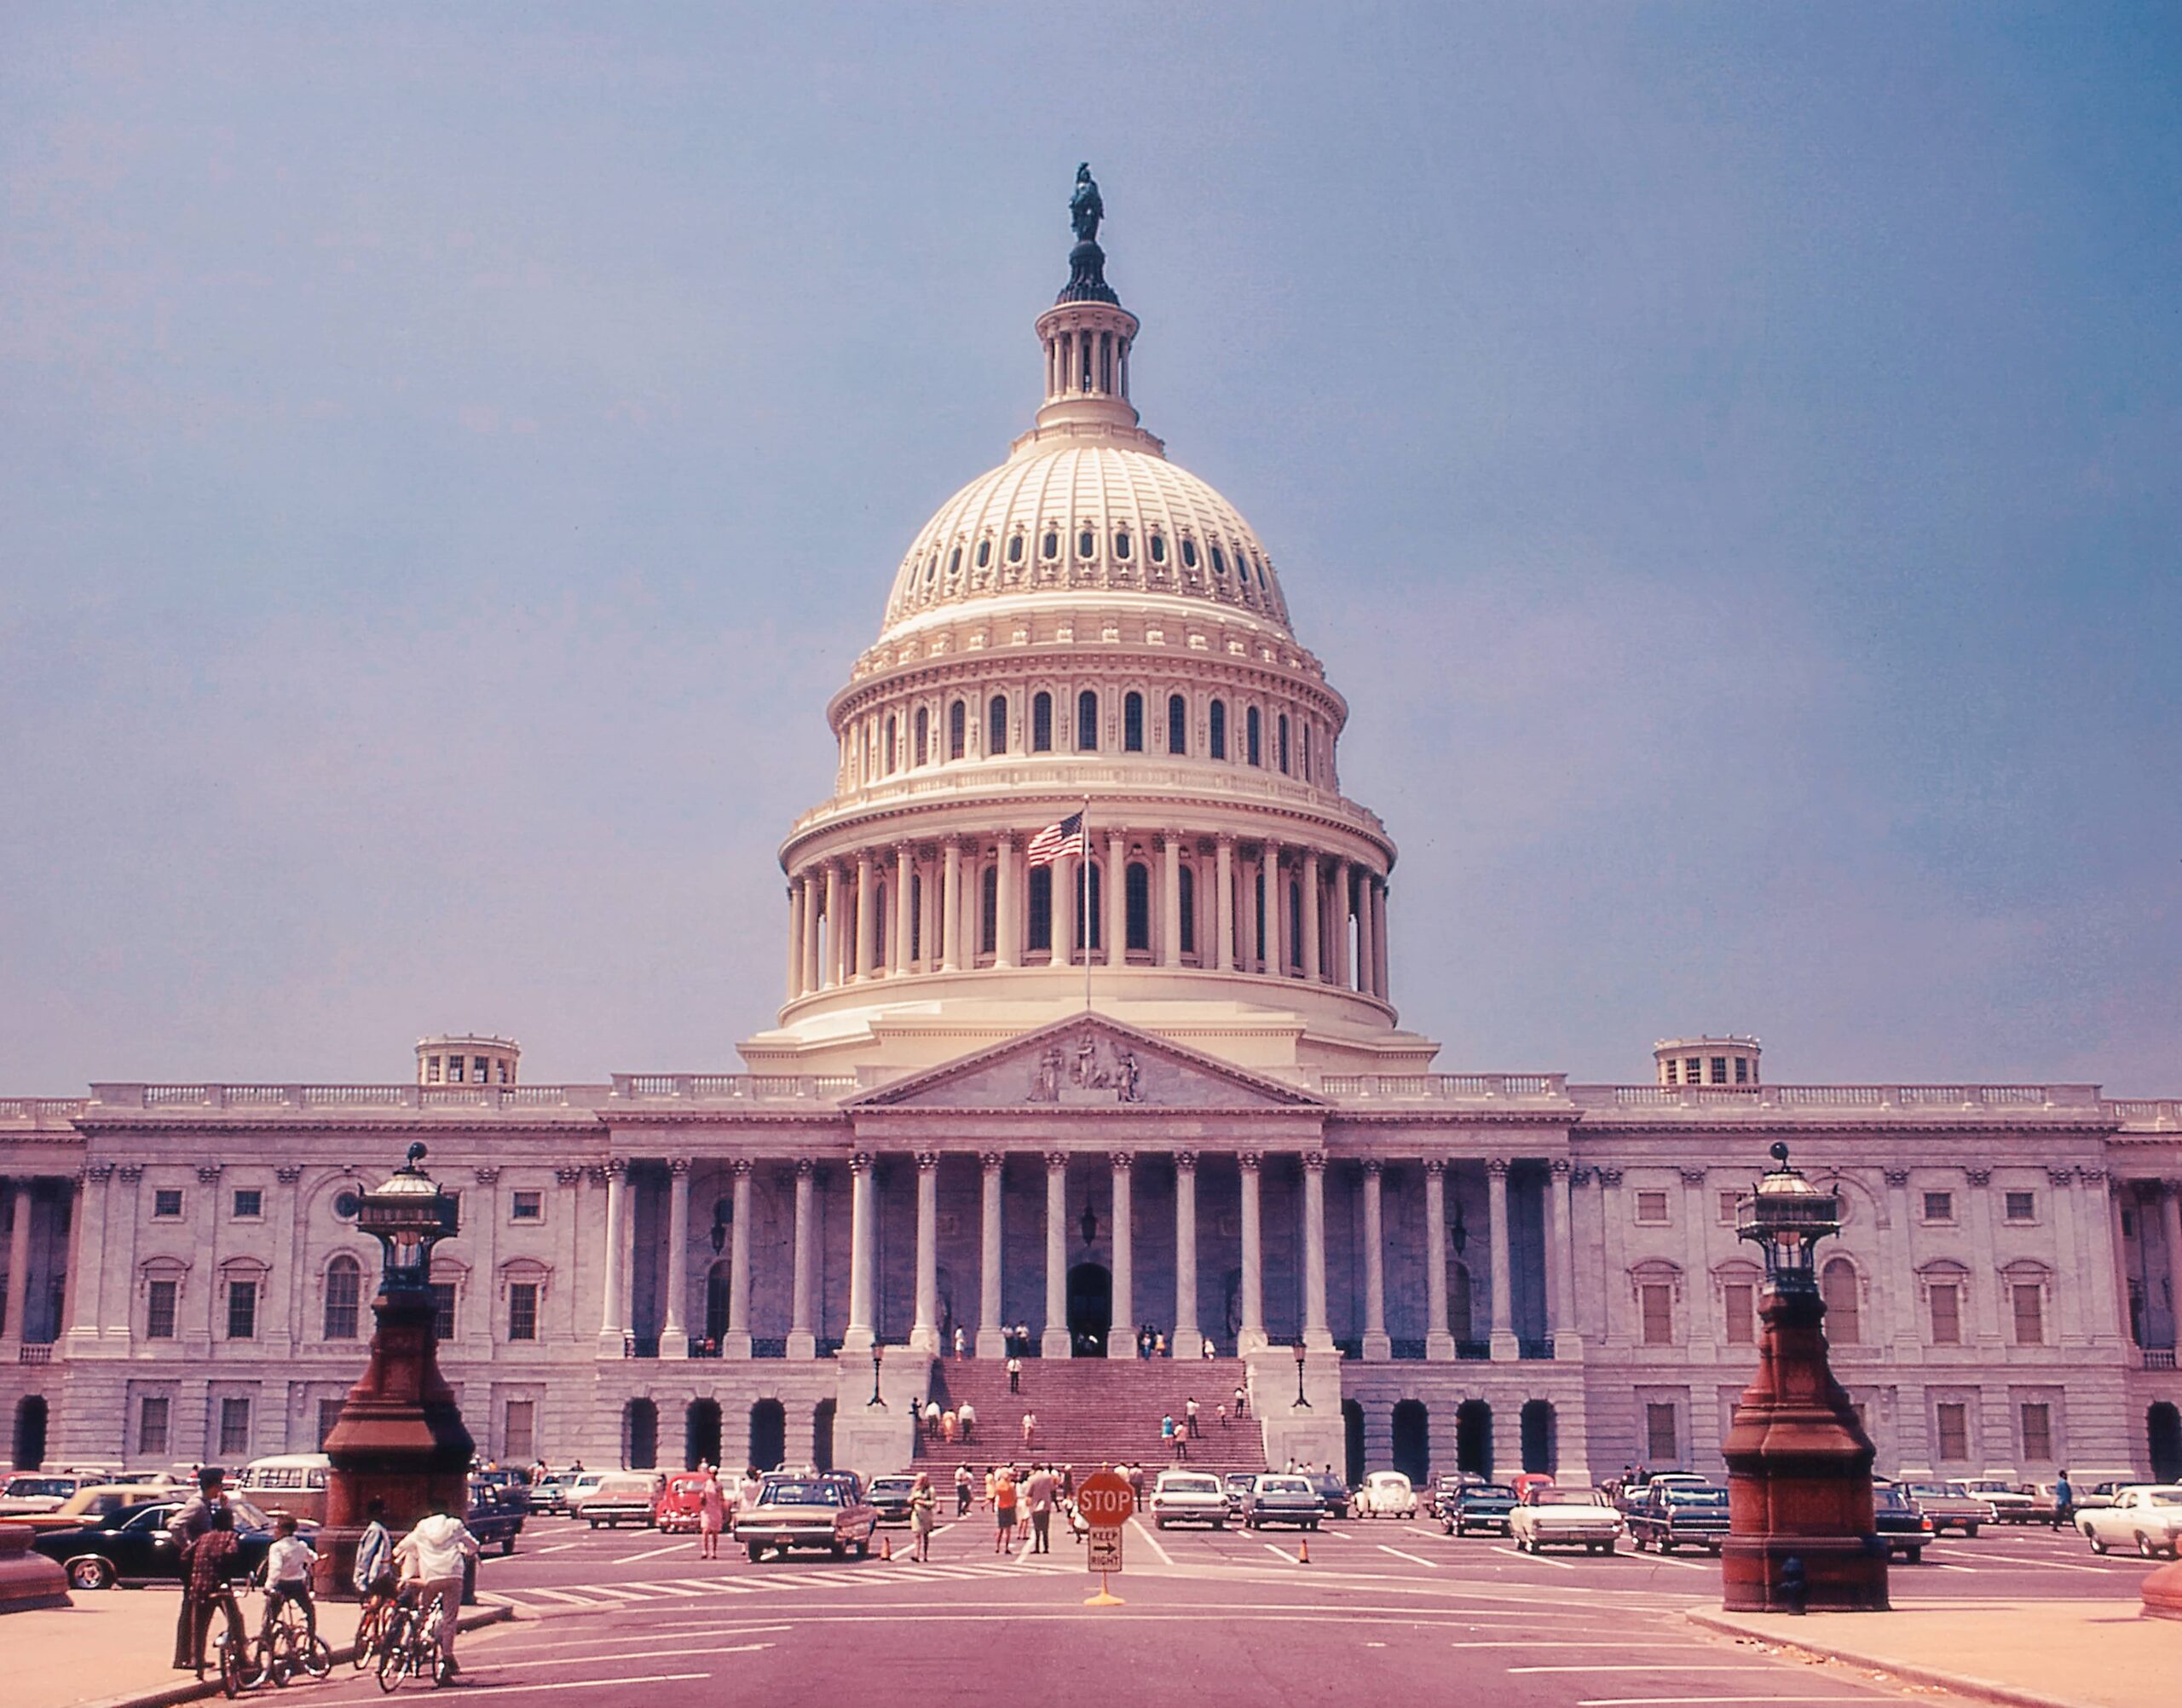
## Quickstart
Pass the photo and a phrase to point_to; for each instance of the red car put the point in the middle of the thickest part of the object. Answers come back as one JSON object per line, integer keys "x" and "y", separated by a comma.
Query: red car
{"x": 681, "y": 1505}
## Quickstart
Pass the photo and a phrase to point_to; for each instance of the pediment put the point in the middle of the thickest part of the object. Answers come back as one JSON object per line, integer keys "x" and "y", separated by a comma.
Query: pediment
{"x": 1087, "y": 1062}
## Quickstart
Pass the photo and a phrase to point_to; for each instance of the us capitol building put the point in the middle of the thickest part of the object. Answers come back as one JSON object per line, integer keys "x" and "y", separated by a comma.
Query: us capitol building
{"x": 1158, "y": 1078}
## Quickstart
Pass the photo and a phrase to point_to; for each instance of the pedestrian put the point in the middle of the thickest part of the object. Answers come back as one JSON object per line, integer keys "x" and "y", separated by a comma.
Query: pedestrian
{"x": 712, "y": 1514}
{"x": 1220, "y": 1412}
{"x": 629, "y": 1344}
{"x": 1242, "y": 1402}
{"x": 948, "y": 1425}
{"x": 1210, "y": 1352}
{"x": 2064, "y": 1502}
{"x": 1068, "y": 1482}
{"x": 966, "y": 1416}
{"x": 1004, "y": 1510}
{"x": 1030, "y": 1429}
{"x": 924, "y": 1508}
{"x": 1043, "y": 1492}
{"x": 1015, "y": 1375}
{"x": 962, "y": 1343}
{"x": 288, "y": 1564}
{"x": 374, "y": 1574}
{"x": 1159, "y": 1344}
{"x": 433, "y": 1554}
{"x": 213, "y": 1560}
{"x": 962, "y": 1486}
{"x": 190, "y": 1522}
{"x": 932, "y": 1420}
{"x": 1189, "y": 1414}
{"x": 1022, "y": 1337}
{"x": 575, "y": 1468}
{"x": 752, "y": 1486}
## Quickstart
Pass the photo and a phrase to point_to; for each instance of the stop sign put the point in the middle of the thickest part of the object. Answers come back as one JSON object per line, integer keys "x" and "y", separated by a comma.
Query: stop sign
{"x": 1106, "y": 1499}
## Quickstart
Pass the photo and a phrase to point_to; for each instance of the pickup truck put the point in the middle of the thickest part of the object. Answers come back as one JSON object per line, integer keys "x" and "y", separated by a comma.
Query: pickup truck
{"x": 1951, "y": 1506}
{"x": 1680, "y": 1516}
{"x": 2147, "y": 1517}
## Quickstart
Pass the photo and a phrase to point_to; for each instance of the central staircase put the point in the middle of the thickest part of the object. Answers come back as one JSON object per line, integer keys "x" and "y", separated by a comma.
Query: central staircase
{"x": 1091, "y": 1412}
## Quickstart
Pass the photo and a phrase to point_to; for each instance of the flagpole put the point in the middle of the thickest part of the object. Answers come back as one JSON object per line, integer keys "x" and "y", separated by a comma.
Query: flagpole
{"x": 1084, "y": 861}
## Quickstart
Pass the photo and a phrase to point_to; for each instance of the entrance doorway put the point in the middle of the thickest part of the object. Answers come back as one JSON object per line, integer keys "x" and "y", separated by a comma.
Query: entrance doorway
{"x": 1474, "y": 1438}
{"x": 1538, "y": 1436}
{"x": 30, "y": 1433}
{"x": 768, "y": 1434}
{"x": 701, "y": 1433}
{"x": 2163, "y": 1430}
{"x": 1352, "y": 1437}
{"x": 640, "y": 1435}
{"x": 1412, "y": 1442}
{"x": 821, "y": 1435}
{"x": 1090, "y": 1309}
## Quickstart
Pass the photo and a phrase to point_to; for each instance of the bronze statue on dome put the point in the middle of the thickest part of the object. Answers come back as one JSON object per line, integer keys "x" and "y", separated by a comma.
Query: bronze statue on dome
{"x": 1086, "y": 208}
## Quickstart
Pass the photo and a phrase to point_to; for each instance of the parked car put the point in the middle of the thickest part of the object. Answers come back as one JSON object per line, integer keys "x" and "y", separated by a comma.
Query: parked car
{"x": 87, "y": 1506}
{"x": 679, "y": 1509}
{"x": 578, "y": 1486}
{"x": 1524, "y": 1481}
{"x": 890, "y": 1497}
{"x": 1386, "y": 1494}
{"x": 827, "y": 1512}
{"x": 1478, "y": 1506}
{"x": 1278, "y": 1498}
{"x": 1188, "y": 1497}
{"x": 2098, "y": 1494}
{"x": 550, "y": 1493}
{"x": 1552, "y": 1516}
{"x": 1238, "y": 1491}
{"x": 1679, "y": 1515}
{"x": 2145, "y": 1516}
{"x": 36, "y": 1493}
{"x": 512, "y": 1482}
{"x": 1334, "y": 1500}
{"x": 1900, "y": 1521}
{"x": 1441, "y": 1503}
{"x": 2011, "y": 1503}
{"x": 1951, "y": 1506}
{"x": 1630, "y": 1493}
{"x": 131, "y": 1546}
{"x": 620, "y": 1498}
{"x": 494, "y": 1518}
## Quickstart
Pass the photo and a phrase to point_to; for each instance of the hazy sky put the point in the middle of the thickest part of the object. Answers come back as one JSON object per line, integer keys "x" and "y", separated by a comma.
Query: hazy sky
{"x": 1726, "y": 455}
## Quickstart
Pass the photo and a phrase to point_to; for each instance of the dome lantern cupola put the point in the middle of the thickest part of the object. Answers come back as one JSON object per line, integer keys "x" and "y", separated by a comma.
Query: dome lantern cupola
{"x": 1087, "y": 334}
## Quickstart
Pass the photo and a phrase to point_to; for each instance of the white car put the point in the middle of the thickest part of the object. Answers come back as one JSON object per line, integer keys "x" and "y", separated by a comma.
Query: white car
{"x": 2010, "y": 1504}
{"x": 1386, "y": 1494}
{"x": 621, "y": 1497}
{"x": 36, "y": 1493}
{"x": 2147, "y": 1517}
{"x": 1189, "y": 1498}
{"x": 1552, "y": 1517}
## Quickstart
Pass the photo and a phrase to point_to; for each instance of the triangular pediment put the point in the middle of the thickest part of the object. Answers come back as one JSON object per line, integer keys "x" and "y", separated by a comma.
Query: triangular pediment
{"x": 1086, "y": 1061}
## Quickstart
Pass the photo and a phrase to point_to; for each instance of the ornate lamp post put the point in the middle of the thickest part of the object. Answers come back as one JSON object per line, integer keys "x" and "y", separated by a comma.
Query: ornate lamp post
{"x": 1301, "y": 1404}
{"x": 1799, "y": 1466}
{"x": 400, "y": 1438}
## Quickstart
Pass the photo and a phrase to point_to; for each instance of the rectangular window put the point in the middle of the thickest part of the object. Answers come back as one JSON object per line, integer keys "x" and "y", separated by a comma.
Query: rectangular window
{"x": 152, "y": 1426}
{"x": 1742, "y": 1069}
{"x": 1939, "y": 1206}
{"x": 167, "y": 1203}
{"x": 522, "y": 1310}
{"x": 1947, "y": 1314}
{"x": 1658, "y": 1301}
{"x": 2029, "y": 1314}
{"x": 158, "y": 1312}
{"x": 234, "y": 1427}
{"x": 1952, "y": 1418}
{"x": 454, "y": 1070}
{"x": 431, "y": 1069}
{"x": 443, "y": 1309}
{"x": 2022, "y": 1206}
{"x": 1652, "y": 1208}
{"x": 529, "y": 1207}
{"x": 250, "y": 1203}
{"x": 1719, "y": 1069}
{"x": 1674, "y": 1072}
{"x": 1253, "y": 727}
{"x": 1727, "y": 1209}
{"x": 2037, "y": 1431}
{"x": 1692, "y": 1070}
{"x": 1662, "y": 1440}
{"x": 1740, "y": 1301}
{"x": 329, "y": 1414}
{"x": 519, "y": 1432}
{"x": 242, "y": 1310}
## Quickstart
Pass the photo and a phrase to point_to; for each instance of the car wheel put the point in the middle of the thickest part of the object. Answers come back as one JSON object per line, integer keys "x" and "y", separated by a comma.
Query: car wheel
{"x": 1608, "y": 1547}
{"x": 2144, "y": 1548}
{"x": 1219, "y": 1524}
{"x": 1313, "y": 1525}
{"x": 90, "y": 1573}
{"x": 2097, "y": 1544}
{"x": 1665, "y": 1545}
{"x": 1637, "y": 1543}
{"x": 1915, "y": 1557}
{"x": 757, "y": 1550}
{"x": 1158, "y": 1524}
{"x": 507, "y": 1546}
{"x": 864, "y": 1549}
{"x": 1970, "y": 1530}
{"x": 838, "y": 1551}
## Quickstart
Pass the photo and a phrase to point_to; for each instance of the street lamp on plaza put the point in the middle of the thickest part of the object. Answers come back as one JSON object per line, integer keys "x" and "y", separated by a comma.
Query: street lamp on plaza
{"x": 876, "y": 1400}
{"x": 1301, "y": 1402}
{"x": 1785, "y": 1216}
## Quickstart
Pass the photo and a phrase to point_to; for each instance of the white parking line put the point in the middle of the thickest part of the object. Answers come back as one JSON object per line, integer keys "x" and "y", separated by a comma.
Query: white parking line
{"x": 672, "y": 1590}
{"x": 1686, "y": 1565}
{"x": 1664, "y": 1701}
{"x": 1282, "y": 1552}
{"x": 1399, "y": 1554}
{"x": 653, "y": 1553}
{"x": 679, "y": 1653}
{"x": 476, "y": 1688}
{"x": 1543, "y": 1559}
{"x": 551, "y": 1548}
{"x": 2057, "y": 1565}
{"x": 1150, "y": 1541}
{"x": 1648, "y": 1666}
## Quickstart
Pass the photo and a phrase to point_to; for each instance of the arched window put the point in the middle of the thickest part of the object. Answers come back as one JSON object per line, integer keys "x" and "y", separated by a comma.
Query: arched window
{"x": 1015, "y": 548}
{"x": 1189, "y": 552}
{"x": 996, "y": 726}
{"x": 924, "y": 733}
{"x": 1050, "y": 545}
{"x": 1837, "y": 1285}
{"x": 1219, "y": 744}
{"x": 958, "y": 730}
{"x": 1041, "y": 723}
{"x": 1307, "y": 753}
{"x": 886, "y": 750}
{"x": 344, "y": 1292}
{"x": 1458, "y": 1307}
{"x": 1087, "y": 543}
{"x": 1133, "y": 723}
{"x": 1253, "y": 737}
{"x": 1294, "y": 943}
{"x": 1040, "y": 889}
{"x": 988, "y": 911}
{"x": 1137, "y": 897}
{"x": 1158, "y": 548}
{"x": 1219, "y": 563}
{"x": 1281, "y": 735}
{"x": 985, "y": 553}
{"x": 1088, "y": 890}
{"x": 953, "y": 562}
{"x": 1121, "y": 544}
{"x": 1087, "y": 722}
{"x": 1178, "y": 725}
{"x": 1189, "y": 910}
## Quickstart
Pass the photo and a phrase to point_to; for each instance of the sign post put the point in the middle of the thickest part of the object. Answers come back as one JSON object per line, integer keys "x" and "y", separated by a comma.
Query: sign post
{"x": 1105, "y": 1502}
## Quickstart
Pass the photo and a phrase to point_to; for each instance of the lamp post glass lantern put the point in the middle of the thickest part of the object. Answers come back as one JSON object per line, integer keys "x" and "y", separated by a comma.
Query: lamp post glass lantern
{"x": 1785, "y": 1216}
{"x": 407, "y": 1215}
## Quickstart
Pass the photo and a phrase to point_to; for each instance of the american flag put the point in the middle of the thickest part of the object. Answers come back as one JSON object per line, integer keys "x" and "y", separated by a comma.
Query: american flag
{"x": 1056, "y": 839}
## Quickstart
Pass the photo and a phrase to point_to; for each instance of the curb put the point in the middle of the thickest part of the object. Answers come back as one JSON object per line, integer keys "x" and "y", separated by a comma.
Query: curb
{"x": 197, "y": 1689}
{"x": 1961, "y": 1683}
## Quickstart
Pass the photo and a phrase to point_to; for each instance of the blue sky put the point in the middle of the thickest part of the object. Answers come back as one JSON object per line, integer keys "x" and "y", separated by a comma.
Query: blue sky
{"x": 1726, "y": 454}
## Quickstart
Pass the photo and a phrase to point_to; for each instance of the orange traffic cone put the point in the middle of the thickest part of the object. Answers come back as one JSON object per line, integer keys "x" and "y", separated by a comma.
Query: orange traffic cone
{"x": 885, "y": 1548}
{"x": 1303, "y": 1553}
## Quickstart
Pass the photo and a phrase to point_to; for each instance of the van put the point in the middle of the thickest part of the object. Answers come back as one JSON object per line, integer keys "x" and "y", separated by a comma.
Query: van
{"x": 291, "y": 1483}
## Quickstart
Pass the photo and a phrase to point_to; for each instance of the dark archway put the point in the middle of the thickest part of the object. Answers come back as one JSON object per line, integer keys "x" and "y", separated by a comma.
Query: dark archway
{"x": 640, "y": 1435}
{"x": 30, "y": 1433}
{"x": 718, "y": 1297}
{"x": 1413, "y": 1440}
{"x": 821, "y": 1435}
{"x": 1474, "y": 1438}
{"x": 1352, "y": 1434}
{"x": 2162, "y": 1433}
{"x": 1090, "y": 1309}
{"x": 768, "y": 1434}
{"x": 701, "y": 1433}
{"x": 1538, "y": 1436}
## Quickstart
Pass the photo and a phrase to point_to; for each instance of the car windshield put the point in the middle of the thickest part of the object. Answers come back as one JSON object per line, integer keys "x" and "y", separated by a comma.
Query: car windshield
{"x": 800, "y": 1494}
{"x": 893, "y": 1485}
{"x": 149, "y": 1518}
{"x": 1171, "y": 1485}
{"x": 24, "y": 1487}
{"x": 1489, "y": 1492}
{"x": 1688, "y": 1494}
{"x": 2164, "y": 1498}
{"x": 1891, "y": 1500}
{"x": 1283, "y": 1486}
{"x": 1570, "y": 1498}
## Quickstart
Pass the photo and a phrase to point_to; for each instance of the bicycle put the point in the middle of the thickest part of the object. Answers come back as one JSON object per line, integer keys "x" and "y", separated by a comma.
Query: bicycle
{"x": 372, "y": 1629}
{"x": 238, "y": 1669}
{"x": 287, "y": 1645}
{"x": 411, "y": 1647}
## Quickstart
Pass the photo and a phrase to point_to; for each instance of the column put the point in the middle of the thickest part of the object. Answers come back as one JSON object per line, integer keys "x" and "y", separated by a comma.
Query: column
{"x": 1560, "y": 1261}
{"x": 813, "y": 933}
{"x": 1377, "y": 1344}
{"x": 1439, "y": 1341}
{"x": 866, "y": 914}
{"x": 2109, "y": 1321}
{"x": 1252, "y": 1336}
{"x": 904, "y": 913}
{"x": 1170, "y": 901}
{"x": 1367, "y": 962}
{"x": 1008, "y": 944}
{"x": 992, "y": 1338}
{"x": 1053, "y": 1342}
{"x": 803, "y": 1324}
{"x": 1903, "y": 1327}
{"x": 924, "y": 1331}
{"x": 1987, "y": 1304}
{"x": 950, "y": 901}
{"x": 613, "y": 1319}
{"x": 864, "y": 1254}
{"x": 1068, "y": 879}
{"x": 1248, "y": 877}
{"x": 1504, "y": 1300}
{"x": 1698, "y": 1285}
{"x": 1115, "y": 896}
{"x": 1276, "y": 914}
{"x": 1120, "y": 1338}
{"x": 1311, "y": 879}
{"x": 832, "y": 968}
{"x": 737, "y": 1344}
{"x": 674, "y": 1332}
{"x": 1611, "y": 1219}
{"x": 1223, "y": 890}
{"x": 1317, "y": 1336}
{"x": 87, "y": 1269}
{"x": 118, "y": 1319}
{"x": 1343, "y": 875}
{"x": 2170, "y": 1206}
{"x": 794, "y": 940}
{"x": 1185, "y": 1341}
{"x": 1379, "y": 942}
{"x": 2072, "y": 1308}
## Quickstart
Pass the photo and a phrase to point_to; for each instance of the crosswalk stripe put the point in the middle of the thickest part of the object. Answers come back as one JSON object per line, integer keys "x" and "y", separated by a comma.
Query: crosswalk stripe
{"x": 668, "y": 1590}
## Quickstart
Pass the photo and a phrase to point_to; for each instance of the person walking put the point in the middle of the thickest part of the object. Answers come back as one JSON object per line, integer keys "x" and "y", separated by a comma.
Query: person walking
{"x": 1242, "y": 1402}
{"x": 966, "y": 1416}
{"x": 1220, "y": 1412}
{"x": 962, "y": 1488}
{"x": 1159, "y": 1344}
{"x": 2064, "y": 1502}
{"x": 373, "y": 1577}
{"x": 213, "y": 1561}
{"x": 962, "y": 1344}
{"x": 924, "y": 1511}
{"x": 1189, "y": 1416}
{"x": 932, "y": 1420}
{"x": 948, "y": 1424}
{"x": 1167, "y": 1433}
{"x": 712, "y": 1514}
{"x": 1041, "y": 1492}
{"x": 752, "y": 1486}
{"x": 1030, "y": 1430}
{"x": 1004, "y": 1510}
{"x": 1209, "y": 1352}
{"x": 189, "y": 1522}
{"x": 434, "y": 1554}
{"x": 1015, "y": 1375}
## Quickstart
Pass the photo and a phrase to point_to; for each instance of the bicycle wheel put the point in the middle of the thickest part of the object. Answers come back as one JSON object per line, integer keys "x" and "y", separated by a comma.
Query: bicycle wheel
{"x": 368, "y": 1638}
{"x": 317, "y": 1657}
{"x": 393, "y": 1662}
{"x": 234, "y": 1677}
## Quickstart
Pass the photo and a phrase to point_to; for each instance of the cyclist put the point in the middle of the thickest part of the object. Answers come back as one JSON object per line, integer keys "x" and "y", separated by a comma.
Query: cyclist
{"x": 433, "y": 1554}
{"x": 288, "y": 1564}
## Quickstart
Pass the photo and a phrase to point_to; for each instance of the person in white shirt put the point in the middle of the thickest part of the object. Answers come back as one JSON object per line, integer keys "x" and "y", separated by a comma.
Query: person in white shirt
{"x": 432, "y": 1554}
{"x": 288, "y": 1564}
